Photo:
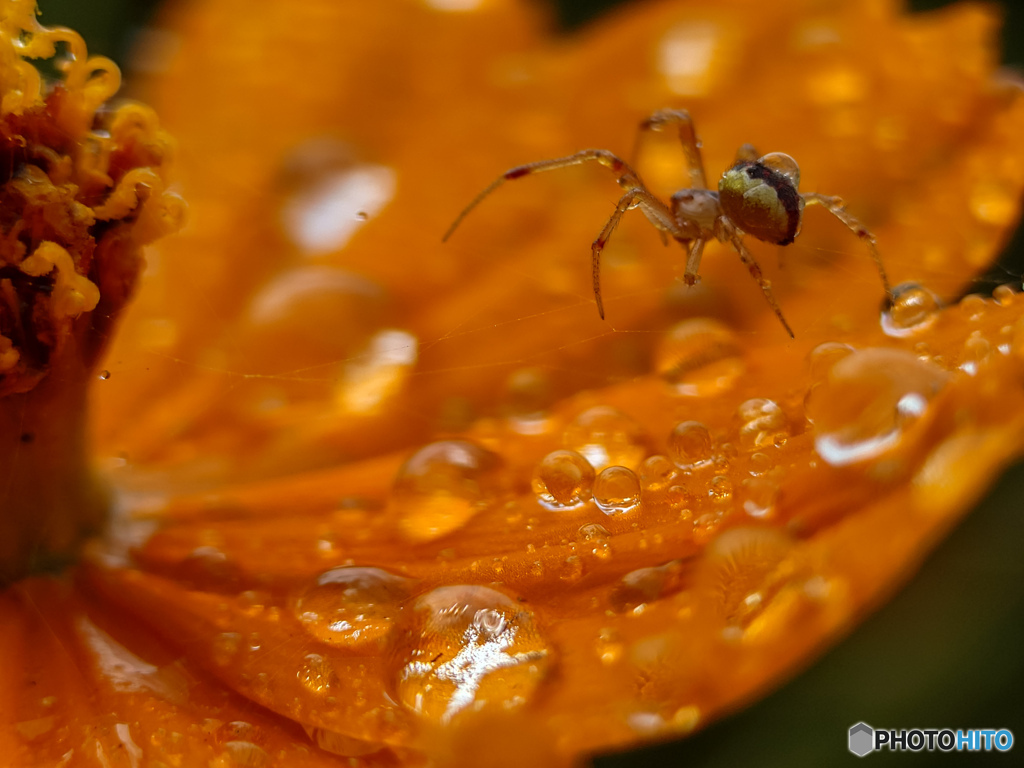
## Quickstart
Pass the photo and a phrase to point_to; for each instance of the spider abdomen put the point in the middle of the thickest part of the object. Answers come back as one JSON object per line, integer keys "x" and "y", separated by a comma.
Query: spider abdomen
{"x": 762, "y": 201}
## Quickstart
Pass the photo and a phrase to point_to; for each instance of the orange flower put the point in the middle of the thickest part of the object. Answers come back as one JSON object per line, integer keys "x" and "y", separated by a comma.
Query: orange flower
{"x": 418, "y": 500}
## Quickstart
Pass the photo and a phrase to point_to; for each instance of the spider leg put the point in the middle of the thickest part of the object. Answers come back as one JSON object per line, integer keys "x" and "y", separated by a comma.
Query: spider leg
{"x": 687, "y": 136}
{"x": 834, "y": 205}
{"x": 755, "y": 271}
{"x": 628, "y": 178}
{"x": 693, "y": 257}
{"x": 657, "y": 213}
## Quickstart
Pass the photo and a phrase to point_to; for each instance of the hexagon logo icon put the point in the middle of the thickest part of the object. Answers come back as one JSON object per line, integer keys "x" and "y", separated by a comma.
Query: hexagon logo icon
{"x": 862, "y": 739}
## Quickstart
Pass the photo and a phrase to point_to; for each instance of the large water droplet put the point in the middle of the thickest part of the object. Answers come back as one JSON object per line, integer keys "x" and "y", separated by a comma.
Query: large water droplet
{"x": 689, "y": 446}
{"x": 912, "y": 309}
{"x": 563, "y": 479}
{"x": 468, "y": 647}
{"x": 329, "y": 195}
{"x": 617, "y": 491}
{"x": 762, "y": 424}
{"x": 605, "y": 436}
{"x": 352, "y": 606}
{"x": 699, "y": 357}
{"x": 441, "y": 486}
{"x": 868, "y": 401}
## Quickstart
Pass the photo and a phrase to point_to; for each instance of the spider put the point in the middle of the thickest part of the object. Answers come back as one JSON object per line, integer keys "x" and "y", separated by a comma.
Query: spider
{"x": 757, "y": 196}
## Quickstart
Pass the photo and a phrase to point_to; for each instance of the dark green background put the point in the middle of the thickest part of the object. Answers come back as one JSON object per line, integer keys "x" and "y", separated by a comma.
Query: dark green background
{"x": 948, "y": 651}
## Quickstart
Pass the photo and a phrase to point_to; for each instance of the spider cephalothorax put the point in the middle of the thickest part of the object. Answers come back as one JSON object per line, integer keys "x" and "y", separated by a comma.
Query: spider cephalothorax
{"x": 758, "y": 196}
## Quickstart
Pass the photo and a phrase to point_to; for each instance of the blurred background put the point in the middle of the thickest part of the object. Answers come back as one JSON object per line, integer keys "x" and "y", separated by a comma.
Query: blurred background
{"x": 948, "y": 651}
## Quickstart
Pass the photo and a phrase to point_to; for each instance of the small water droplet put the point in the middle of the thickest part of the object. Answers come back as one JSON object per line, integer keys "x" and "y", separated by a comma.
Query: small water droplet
{"x": 760, "y": 463}
{"x": 468, "y": 647}
{"x": 104, "y": 375}
{"x": 442, "y": 486}
{"x": 563, "y": 479}
{"x": 912, "y": 309}
{"x": 720, "y": 489}
{"x": 351, "y": 606}
{"x": 225, "y": 648}
{"x": 657, "y": 473}
{"x": 645, "y": 585}
{"x": 316, "y": 674}
{"x": 605, "y": 436}
{"x": 617, "y": 491}
{"x": 245, "y": 754}
{"x": 1004, "y": 294}
{"x": 339, "y": 743}
{"x": 976, "y": 351}
{"x": 699, "y": 357}
{"x": 762, "y": 423}
{"x": 608, "y": 646}
{"x": 758, "y": 495}
{"x": 689, "y": 446}
{"x": 863, "y": 409}
{"x": 595, "y": 536}
{"x": 973, "y": 306}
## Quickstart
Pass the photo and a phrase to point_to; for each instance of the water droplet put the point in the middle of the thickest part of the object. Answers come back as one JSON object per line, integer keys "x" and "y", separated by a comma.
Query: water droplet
{"x": 976, "y": 351}
{"x": 973, "y": 306}
{"x": 441, "y": 486}
{"x": 912, "y": 309}
{"x": 1004, "y": 294}
{"x": 340, "y": 744}
{"x": 595, "y": 536}
{"x": 563, "y": 479}
{"x": 351, "y": 606}
{"x": 720, "y": 490}
{"x": 605, "y": 436}
{"x": 468, "y": 647}
{"x": 373, "y": 377}
{"x": 617, "y": 491}
{"x": 870, "y": 398}
{"x": 316, "y": 674}
{"x": 689, "y": 446}
{"x": 225, "y": 648}
{"x": 645, "y": 585}
{"x": 821, "y": 359}
{"x": 758, "y": 495}
{"x": 608, "y": 646}
{"x": 657, "y": 473}
{"x": 762, "y": 423}
{"x": 104, "y": 375}
{"x": 782, "y": 163}
{"x": 760, "y": 463}
{"x": 326, "y": 191}
{"x": 245, "y": 754}
{"x": 699, "y": 357}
